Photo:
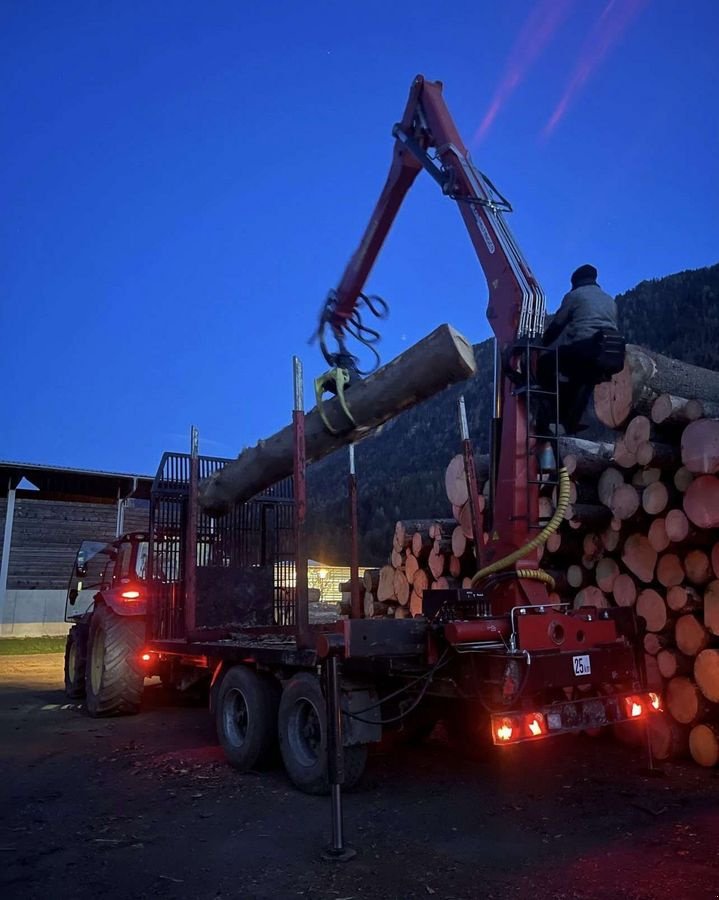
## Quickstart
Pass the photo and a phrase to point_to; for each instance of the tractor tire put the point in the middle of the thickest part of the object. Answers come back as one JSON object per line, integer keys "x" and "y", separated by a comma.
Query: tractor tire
{"x": 246, "y": 718}
{"x": 302, "y": 726}
{"x": 75, "y": 662}
{"x": 113, "y": 677}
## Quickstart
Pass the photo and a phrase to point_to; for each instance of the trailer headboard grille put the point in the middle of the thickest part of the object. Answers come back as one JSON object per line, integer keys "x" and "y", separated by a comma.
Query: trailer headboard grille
{"x": 245, "y": 560}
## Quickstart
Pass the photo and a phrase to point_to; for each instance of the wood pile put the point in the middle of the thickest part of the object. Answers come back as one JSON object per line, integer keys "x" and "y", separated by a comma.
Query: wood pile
{"x": 641, "y": 529}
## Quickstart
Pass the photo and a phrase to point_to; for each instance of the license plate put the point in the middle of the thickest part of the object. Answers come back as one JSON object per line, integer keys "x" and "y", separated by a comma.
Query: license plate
{"x": 582, "y": 665}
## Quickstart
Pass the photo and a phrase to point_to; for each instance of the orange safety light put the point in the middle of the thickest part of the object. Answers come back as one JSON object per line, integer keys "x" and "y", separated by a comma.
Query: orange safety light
{"x": 503, "y": 730}
{"x": 130, "y": 595}
{"x": 536, "y": 725}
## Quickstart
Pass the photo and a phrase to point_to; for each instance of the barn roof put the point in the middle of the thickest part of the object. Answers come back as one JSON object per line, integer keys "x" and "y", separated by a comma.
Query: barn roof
{"x": 77, "y": 483}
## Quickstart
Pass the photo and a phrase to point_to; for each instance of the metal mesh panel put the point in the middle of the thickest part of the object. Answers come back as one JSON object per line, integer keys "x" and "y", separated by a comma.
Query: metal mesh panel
{"x": 245, "y": 559}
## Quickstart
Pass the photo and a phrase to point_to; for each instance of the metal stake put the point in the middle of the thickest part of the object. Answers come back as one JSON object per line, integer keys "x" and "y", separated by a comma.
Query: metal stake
{"x": 191, "y": 537}
{"x": 356, "y": 610}
{"x": 471, "y": 475}
{"x": 300, "y": 492}
{"x": 338, "y": 851}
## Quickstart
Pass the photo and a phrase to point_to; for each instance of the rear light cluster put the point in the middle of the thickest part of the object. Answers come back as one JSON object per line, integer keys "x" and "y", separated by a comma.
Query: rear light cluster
{"x": 516, "y": 727}
{"x": 506, "y": 729}
{"x": 131, "y": 595}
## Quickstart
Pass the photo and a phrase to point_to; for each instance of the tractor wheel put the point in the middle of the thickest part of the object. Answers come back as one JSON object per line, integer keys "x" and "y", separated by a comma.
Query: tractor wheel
{"x": 113, "y": 677}
{"x": 75, "y": 660}
{"x": 302, "y": 725}
{"x": 246, "y": 718}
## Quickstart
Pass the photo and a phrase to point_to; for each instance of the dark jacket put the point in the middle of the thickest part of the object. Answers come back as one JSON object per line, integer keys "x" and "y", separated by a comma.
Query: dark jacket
{"x": 584, "y": 311}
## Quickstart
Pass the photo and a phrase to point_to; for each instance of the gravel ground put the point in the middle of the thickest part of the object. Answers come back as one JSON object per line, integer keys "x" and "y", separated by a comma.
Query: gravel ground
{"x": 145, "y": 806}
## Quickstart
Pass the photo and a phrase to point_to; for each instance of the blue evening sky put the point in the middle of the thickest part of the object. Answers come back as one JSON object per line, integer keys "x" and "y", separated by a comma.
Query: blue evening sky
{"x": 182, "y": 182}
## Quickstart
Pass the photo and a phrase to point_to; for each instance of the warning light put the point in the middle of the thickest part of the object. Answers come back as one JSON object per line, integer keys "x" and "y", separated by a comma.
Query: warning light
{"x": 634, "y": 707}
{"x": 503, "y": 730}
{"x": 146, "y": 657}
{"x": 130, "y": 595}
{"x": 536, "y": 724}
{"x": 655, "y": 701}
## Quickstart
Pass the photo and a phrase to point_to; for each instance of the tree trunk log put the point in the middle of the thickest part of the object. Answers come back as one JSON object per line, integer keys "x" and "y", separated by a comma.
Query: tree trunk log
{"x": 670, "y": 570}
{"x": 639, "y": 557}
{"x": 690, "y": 635}
{"x": 711, "y": 607}
{"x": 606, "y": 574}
{"x": 591, "y": 596}
{"x": 442, "y": 358}
{"x": 698, "y": 567}
{"x": 700, "y": 447}
{"x": 683, "y": 599}
{"x": 657, "y": 535}
{"x": 655, "y": 498}
{"x": 670, "y": 410}
{"x": 669, "y": 739}
{"x": 704, "y": 744}
{"x": 672, "y": 663}
{"x": 371, "y": 580}
{"x": 411, "y": 565}
{"x": 459, "y": 542}
{"x": 437, "y": 563}
{"x": 706, "y": 674}
{"x": 701, "y": 501}
{"x": 676, "y": 526}
{"x": 652, "y": 608}
{"x": 385, "y": 586}
{"x": 685, "y": 703}
{"x": 585, "y": 458}
{"x": 644, "y": 377}
{"x": 401, "y": 587}
{"x": 455, "y": 481}
{"x": 625, "y": 590}
{"x": 682, "y": 479}
{"x": 653, "y": 643}
{"x": 609, "y": 481}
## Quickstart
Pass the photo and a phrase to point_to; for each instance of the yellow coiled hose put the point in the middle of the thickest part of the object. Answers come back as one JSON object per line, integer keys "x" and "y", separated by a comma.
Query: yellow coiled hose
{"x": 541, "y": 538}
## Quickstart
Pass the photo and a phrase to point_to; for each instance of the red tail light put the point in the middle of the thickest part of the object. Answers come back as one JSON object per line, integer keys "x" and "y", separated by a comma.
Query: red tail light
{"x": 535, "y": 724}
{"x": 634, "y": 707}
{"x": 146, "y": 657}
{"x": 655, "y": 701}
{"x": 504, "y": 729}
{"x": 131, "y": 595}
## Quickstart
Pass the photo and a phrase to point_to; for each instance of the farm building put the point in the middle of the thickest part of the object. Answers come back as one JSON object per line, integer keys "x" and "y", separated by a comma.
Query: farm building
{"x": 45, "y": 513}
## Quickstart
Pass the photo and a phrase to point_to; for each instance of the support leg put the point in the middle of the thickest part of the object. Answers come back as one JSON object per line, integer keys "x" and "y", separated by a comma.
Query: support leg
{"x": 338, "y": 850}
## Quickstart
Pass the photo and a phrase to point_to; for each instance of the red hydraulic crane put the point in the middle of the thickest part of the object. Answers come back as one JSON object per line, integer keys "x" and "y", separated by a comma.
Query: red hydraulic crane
{"x": 427, "y": 138}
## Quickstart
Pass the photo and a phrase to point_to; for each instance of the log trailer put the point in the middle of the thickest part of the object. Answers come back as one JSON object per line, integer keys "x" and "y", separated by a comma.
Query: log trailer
{"x": 227, "y": 595}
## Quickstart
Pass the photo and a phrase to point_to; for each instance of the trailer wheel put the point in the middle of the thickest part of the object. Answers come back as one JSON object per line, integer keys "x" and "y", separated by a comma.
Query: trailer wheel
{"x": 246, "y": 718}
{"x": 302, "y": 725}
{"x": 75, "y": 649}
{"x": 113, "y": 678}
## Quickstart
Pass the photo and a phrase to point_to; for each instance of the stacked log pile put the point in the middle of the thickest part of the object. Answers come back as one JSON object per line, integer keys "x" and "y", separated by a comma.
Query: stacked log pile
{"x": 657, "y": 547}
{"x": 641, "y": 529}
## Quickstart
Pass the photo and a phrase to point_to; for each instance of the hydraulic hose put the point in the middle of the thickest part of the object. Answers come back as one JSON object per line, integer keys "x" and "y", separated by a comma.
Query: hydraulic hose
{"x": 541, "y": 538}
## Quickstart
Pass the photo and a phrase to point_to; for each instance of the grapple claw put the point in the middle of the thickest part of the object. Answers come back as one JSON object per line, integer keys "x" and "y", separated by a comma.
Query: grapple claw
{"x": 334, "y": 382}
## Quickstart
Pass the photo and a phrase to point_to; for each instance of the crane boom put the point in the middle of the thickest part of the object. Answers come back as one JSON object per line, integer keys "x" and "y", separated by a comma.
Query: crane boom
{"x": 427, "y": 138}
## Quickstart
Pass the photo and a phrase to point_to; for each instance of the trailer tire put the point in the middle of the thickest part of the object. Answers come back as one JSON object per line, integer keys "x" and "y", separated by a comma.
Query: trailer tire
{"x": 113, "y": 677}
{"x": 75, "y": 660}
{"x": 246, "y": 718}
{"x": 302, "y": 726}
